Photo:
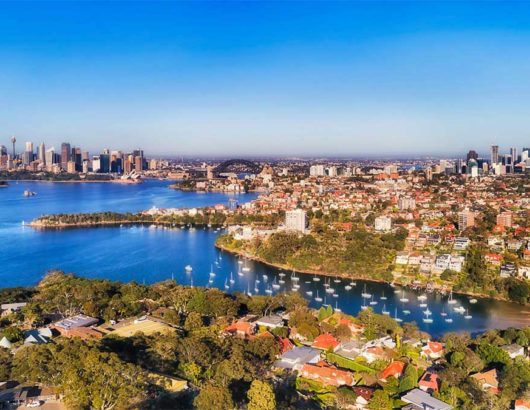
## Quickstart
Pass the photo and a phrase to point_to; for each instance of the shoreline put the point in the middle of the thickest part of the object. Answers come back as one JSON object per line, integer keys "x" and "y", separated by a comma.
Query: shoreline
{"x": 335, "y": 275}
{"x": 76, "y": 181}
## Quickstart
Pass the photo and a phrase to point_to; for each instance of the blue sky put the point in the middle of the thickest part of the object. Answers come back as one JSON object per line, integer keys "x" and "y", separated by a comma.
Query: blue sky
{"x": 256, "y": 78}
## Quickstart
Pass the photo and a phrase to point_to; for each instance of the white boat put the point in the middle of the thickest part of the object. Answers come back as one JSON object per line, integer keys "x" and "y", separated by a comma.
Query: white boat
{"x": 363, "y": 306}
{"x": 396, "y": 318}
{"x": 427, "y": 312}
{"x": 212, "y": 273}
{"x": 443, "y": 313}
{"x": 406, "y": 312}
{"x": 281, "y": 281}
{"x": 337, "y": 280}
{"x": 256, "y": 289}
{"x": 473, "y": 301}
{"x": 265, "y": 276}
{"x": 294, "y": 278}
{"x": 449, "y": 319}
{"x": 347, "y": 287}
{"x": 240, "y": 262}
{"x": 403, "y": 298}
{"x": 467, "y": 315}
{"x": 248, "y": 290}
{"x": 365, "y": 294}
{"x": 353, "y": 283}
{"x": 422, "y": 298}
{"x": 240, "y": 273}
{"x": 258, "y": 281}
{"x": 451, "y": 301}
{"x": 383, "y": 297}
{"x": 384, "y": 311}
{"x": 275, "y": 285}
{"x": 427, "y": 318}
{"x": 422, "y": 305}
{"x": 373, "y": 302}
{"x": 268, "y": 290}
{"x": 226, "y": 284}
{"x": 309, "y": 293}
{"x": 459, "y": 309}
{"x": 318, "y": 298}
{"x": 296, "y": 286}
{"x": 335, "y": 295}
{"x": 337, "y": 309}
{"x": 316, "y": 278}
{"x": 330, "y": 290}
{"x": 245, "y": 267}
{"x": 232, "y": 277}
{"x": 188, "y": 268}
{"x": 281, "y": 274}
{"x": 210, "y": 281}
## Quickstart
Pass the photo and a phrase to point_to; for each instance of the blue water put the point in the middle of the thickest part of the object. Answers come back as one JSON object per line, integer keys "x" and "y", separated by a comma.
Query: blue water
{"x": 148, "y": 255}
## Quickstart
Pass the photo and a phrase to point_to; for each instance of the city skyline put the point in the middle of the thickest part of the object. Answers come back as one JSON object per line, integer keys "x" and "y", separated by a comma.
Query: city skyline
{"x": 250, "y": 79}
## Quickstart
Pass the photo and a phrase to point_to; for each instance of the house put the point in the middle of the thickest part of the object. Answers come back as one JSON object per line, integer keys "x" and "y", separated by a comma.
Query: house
{"x": 402, "y": 258}
{"x": 507, "y": 270}
{"x": 327, "y": 375}
{"x": 364, "y": 395}
{"x": 5, "y": 343}
{"x": 394, "y": 369}
{"x": 488, "y": 380}
{"x": 25, "y": 394}
{"x": 270, "y": 322}
{"x": 240, "y": 329}
{"x": 38, "y": 336}
{"x": 385, "y": 341}
{"x": 350, "y": 349}
{"x": 429, "y": 382}
{"x": 432, "y": 350}
{"x": 521, "y": 404}
{"x": 9, "y": 308}
{"x": 75, "y": 322}
{"x": 419, "y": 400}
{"x": 514, "y": 350}
{"x": 461, "y": 243}
{"x": 325, "y": 341}
{"x": 296, "y": 358}
{"x": 372, "y": 354}
{"x": 494, "y": 259}
{"x": 286, "y": 344}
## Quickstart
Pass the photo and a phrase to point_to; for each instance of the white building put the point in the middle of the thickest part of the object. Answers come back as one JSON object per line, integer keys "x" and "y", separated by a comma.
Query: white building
{"x": 317, "y": 171}
{"x": 295, "y": 220}
{"x": 383, "y": 223}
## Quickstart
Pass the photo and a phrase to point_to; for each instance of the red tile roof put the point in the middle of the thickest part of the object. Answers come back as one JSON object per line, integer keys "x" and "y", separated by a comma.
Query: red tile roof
{"x": 328, "y": 375}
{"x": 394, "y": 369}
{"x": 325, "y": 341}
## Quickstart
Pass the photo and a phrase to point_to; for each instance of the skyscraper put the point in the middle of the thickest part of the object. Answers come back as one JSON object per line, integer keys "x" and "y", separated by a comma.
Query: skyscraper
{"x": 65, "y": 154}
{"x": 513, "y": 153}
{"x": 28, "y": 153}
{"x": 41, "y": 153}
{"x": 494, "y": 154}
{"x": 13, "y": 141}
{"x": 472, "y": 154}
{"x": 295, "y": 220}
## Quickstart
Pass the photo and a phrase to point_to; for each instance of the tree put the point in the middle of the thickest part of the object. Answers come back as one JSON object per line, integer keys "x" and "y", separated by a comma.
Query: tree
{"x": 380, "y": 401}
{"x": 214, "y": 396}
{"x": 13, "y": 334}
{"x": 409, "y": 379}
{"x": 6, "y": 360}
{"x": 261, "y": 396}
{"x": 193, "y": 321}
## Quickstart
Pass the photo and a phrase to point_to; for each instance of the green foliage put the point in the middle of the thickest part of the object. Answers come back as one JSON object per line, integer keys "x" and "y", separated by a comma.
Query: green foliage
{"x": 349, "y": 364}
{"x": 324, "y": 312}
{"x": 261, "y": 396}
{"x": 12, "y": 333}
{"x": 211, "y": 395}
{"x": 380, "y": 401}
{"x": 491, "y": 354}
{"x": 409, "y": 380}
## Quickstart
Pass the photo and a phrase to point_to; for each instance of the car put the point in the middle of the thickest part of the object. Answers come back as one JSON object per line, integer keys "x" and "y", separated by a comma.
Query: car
{"x": 34, "y": 403}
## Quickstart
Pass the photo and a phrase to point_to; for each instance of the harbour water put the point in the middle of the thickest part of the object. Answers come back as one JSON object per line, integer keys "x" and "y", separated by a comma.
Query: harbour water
{"x": 149, "y": 254}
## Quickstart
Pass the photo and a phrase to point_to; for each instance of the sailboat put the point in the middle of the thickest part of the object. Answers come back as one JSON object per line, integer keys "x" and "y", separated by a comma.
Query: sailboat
{"x": 403, "y": 298}
{"x": 365, "y": 294}
{"x": 226, "y": 284}
{"x": 191, "y": 282}
{"x": 384, "y": 311}
{"x": 427, "y": 318}
{"x": 449, "y": 319}
{"x": 268, "y": 290}
{"x": 451, "y": 301}
{"x": 347, "y": 287}
{"x": 383, "y": 297}
{"x": 318, "y": 298}
{"x": 316, "y": 278}
{"x": 240, "y": 262}
{"x": 232, "y": 278}
{"x": 337, "y": 309}
{"x": 281, "y": 281}
{"x": 309, "y": 293}
{"x": 265, "y": 277}
{"x": 281, "y": 274}
{"x": 467, "y": 315}
{"x": 245, "y": 267}
{"x": 212, "y": 273}
{"x": 373, "y": 302}
{"x": 248, "y": 290}
{"x": 396, "y": 318}
{"x": 275, "y": 284}
{"x": 363, "y": 306}
{"x": 256, "y": 289}
{"x": 294, "y": 278}
{"x": 239, "y": 272}
{"x": 443, "y": 313}
{"x": 336, "y": 280}
{"x": 325, "y": 301}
